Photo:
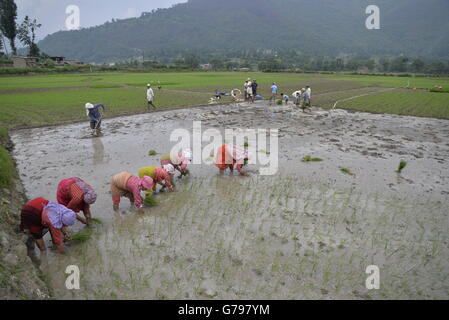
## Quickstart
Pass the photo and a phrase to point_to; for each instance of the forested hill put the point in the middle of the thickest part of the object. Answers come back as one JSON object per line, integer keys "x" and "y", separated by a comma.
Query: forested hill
{"x": 323, "y": 27}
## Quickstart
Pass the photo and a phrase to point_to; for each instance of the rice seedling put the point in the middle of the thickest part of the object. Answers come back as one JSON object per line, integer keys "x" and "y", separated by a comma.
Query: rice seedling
{"x": 401, "y": 166}
{"x": 279, "y": 102}
{"x": 151, "y": 201}
{"x": 82, "y": 235}
{"x": 347, "y": 171}
{"x": 246, "y": 144}
{"x": 97, "y": 221}
{"x": 310, "y": 159}
{"x": 152, "y": 153}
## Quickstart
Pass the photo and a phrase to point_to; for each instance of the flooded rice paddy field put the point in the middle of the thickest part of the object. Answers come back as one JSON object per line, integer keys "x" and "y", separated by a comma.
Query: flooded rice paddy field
{"x": 309, "y": 232}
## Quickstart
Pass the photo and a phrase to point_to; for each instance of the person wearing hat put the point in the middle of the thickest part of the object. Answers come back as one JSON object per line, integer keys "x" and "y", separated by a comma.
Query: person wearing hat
{"x": 179, "y": 162}
{"x": 150, "y": 96}
{"x": 249, "y": 90}
{"x": 93, "y": 112}
{"x": 161, "y": 176}
{"x": 40, "y": 216}
{"x": 126, "y": 185}
{"x": 78, "y": 196}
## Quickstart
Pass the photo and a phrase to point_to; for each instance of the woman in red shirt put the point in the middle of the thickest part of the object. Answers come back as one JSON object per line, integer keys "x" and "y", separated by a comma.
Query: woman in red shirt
{"x": 40, "y": 216}
{"x": 77, "y": 195}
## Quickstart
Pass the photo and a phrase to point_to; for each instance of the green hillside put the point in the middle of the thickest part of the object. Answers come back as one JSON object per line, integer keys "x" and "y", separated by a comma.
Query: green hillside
{"x": 324, "y": 27}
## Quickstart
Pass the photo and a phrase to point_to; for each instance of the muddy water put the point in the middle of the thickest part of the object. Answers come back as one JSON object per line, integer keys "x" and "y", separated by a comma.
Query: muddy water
{"x": 308, "y": 232}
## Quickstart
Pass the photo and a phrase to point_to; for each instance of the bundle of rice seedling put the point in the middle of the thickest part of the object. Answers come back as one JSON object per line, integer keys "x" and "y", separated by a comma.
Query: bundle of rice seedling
{"x": 97, "y": 221}
{"x": 152, "y": 153}
{"x": 279, "y": 102}
{"x": 346, "y": 171}
{"x": 151, "y": 201}
{"x": 310, "y": 159}
{"x": 402, "y": 165}
{"x": 82, "y": 235}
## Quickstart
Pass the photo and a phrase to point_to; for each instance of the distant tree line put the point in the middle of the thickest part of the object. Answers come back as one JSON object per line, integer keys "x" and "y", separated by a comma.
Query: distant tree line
{"x": 288, "y": 61}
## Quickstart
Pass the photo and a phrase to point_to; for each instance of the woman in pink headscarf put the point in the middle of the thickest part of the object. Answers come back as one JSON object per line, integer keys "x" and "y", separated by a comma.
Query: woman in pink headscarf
{"x": 76, "y": 195}
{"x": 230, "y": 157}
{"x": 125, "y": 184}
{"x": 179, "y": 162}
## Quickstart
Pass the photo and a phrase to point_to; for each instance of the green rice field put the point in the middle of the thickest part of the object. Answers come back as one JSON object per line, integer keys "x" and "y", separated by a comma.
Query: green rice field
{"x": 52, "y": 99}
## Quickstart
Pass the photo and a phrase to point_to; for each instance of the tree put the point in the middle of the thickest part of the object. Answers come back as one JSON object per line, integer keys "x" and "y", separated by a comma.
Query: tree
{"x": 192, "y": 61}
{"x": 271, "y": 65}
{"x": 418, "y": 65}
{"x": 399, "y": 64}
{"x": 217, "y": 64}
{"x": 27, "y": 35}
{"x": 8, "y": 26}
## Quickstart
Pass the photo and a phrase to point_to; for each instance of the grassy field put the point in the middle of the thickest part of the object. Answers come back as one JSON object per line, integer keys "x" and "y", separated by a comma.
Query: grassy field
{"x": 52, "y": 99}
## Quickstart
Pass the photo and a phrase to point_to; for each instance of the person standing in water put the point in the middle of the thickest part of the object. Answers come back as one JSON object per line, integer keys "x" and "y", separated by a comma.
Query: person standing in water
{"x": 307, "y": 96}
{"x": 78, "y": 196}
{"x": 40, "y": 216}
{"x": 179, "y": 162}
{"x": 274, "y": 92}
{"x": 126, "y": 185}
{"x": 161, "y": 176}
{"x": 150, "y": 96}
{"x": 94, "y": 114}
{"x": 228, "y": 157}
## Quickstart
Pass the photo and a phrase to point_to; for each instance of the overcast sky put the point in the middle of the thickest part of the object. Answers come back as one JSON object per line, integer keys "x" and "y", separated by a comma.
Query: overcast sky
{"x": 51, "y": 13}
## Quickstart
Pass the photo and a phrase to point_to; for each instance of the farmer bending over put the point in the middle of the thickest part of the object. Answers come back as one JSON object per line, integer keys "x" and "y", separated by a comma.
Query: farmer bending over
{"x": 125, "y": 184}
{"x": 307, "y": 95}
{"x": 179, "y": 162}
{"x": 93, "y": 112}
{"x": 161, "y": 176}
{"x": 39, "y": 216}
{"x": 229, "y": 157}
{"x": 76, "y": 195}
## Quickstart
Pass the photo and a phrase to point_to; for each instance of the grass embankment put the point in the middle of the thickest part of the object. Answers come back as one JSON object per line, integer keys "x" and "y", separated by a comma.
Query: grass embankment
{"x": 19, "y": 279}
{"x": 53, "y": 99}
{"x": 7, "y": 169}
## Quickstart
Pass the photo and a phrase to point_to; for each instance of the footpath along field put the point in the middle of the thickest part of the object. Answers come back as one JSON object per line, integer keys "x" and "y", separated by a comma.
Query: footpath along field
{"x": 51, "y": 99}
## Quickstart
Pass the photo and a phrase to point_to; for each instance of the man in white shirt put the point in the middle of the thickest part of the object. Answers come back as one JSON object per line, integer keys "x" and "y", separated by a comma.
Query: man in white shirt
{"x": 150, "y": 96}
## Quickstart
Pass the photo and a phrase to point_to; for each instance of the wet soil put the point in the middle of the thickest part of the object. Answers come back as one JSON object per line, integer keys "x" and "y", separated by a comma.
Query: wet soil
{"x": 307, "y": 232}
